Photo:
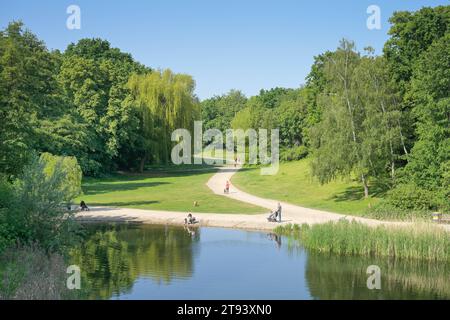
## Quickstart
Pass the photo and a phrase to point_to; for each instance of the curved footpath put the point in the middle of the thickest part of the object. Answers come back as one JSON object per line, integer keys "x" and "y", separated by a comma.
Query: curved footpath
{"x": 290, "y": 213}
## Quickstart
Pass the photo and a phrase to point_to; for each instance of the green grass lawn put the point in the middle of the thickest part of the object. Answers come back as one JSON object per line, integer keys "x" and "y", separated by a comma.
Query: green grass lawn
{"x": 162, "y": 188}
{"x": 294, "y": 184}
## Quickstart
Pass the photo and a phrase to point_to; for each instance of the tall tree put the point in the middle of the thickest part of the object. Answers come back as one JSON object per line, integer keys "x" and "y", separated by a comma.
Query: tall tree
{"x": 429, "y": 163}
{"x": 383, "y": 139}
{"x": 166, "y": 102}
{"x": 358, "y": 131}
{"x": 411, "y": 34}
{"x": 94, "y": 79}
{"x": 219, "y": 111}
{"x": 27, "y": 91}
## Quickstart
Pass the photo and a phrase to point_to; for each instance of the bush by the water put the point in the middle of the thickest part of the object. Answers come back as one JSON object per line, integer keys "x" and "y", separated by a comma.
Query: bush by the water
{"x": 412, "y": 197}
{"x": 353, "y": 238}
{"x": 295, "y": 153}
{"x": 32, "y": 208}
{"x": 36, "y": 230}
{"x": 386, "y": 211}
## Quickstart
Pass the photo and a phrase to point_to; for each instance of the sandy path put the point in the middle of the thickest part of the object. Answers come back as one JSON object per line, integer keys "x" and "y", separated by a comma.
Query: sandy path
{"x": 290, "y": 213}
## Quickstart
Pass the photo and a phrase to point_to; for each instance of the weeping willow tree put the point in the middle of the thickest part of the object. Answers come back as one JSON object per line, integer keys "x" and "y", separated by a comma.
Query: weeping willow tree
{"x": 166, "y": 101}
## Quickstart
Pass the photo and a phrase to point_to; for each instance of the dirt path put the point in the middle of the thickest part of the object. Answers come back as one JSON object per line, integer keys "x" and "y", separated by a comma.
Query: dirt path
{"x": 290, "y": 213}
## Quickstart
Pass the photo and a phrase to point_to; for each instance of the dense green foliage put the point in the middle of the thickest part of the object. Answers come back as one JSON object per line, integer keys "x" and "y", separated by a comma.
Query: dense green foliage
{"x": 33, "y": 210}
{"x": 277, "y": 108}
{"x": 28, "y": 92}
{"x": 382, "y": 118}
{"x": 418, "y": 59}
{"x": 87, "y": 103}
{"x": 358, "y": 131}
{"x": 165, "y": 102}
{"x": 219, "y": 111}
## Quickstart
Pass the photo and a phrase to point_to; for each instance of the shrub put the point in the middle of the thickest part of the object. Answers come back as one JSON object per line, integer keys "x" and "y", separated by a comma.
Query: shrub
{"x": 295, "y": 153}
{"x": 411, "y": 197}
{"x": 6, "y": 200}
{"x": 386, "y": 211}
{"x": 71, "y": 184}
{"x": 36, "y": 213}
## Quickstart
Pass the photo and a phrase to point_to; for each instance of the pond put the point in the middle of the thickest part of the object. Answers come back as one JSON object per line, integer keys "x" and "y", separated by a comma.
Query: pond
{"x": 127, "y": 261}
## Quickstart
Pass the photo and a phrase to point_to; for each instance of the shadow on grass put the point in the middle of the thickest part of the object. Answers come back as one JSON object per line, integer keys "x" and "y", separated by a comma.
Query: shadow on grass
{"x": 356, "y": 193}
{"x": 122, "y": 204}
{"x": 154, "y": 173}
{"x": 100, "y": 187}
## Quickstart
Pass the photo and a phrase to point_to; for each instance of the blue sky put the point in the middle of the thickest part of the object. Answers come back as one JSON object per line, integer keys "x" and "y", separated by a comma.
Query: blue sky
{"x": 234, "y": 44}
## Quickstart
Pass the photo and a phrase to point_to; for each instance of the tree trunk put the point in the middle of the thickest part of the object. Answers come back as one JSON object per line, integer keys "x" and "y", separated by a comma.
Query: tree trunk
{"x": 391, "y": 148}
{"x": 366, "y": 187}
{"x": 402, "y": 139}
{"x": 393, "y": 171}
{"x": 142, "y": 164}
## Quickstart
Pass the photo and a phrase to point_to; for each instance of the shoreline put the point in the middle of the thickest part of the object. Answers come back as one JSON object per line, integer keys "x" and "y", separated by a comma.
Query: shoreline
{"x": 220, "y": 220}
{"x": 291, "y": 214}
{"x": 140, "y": 216}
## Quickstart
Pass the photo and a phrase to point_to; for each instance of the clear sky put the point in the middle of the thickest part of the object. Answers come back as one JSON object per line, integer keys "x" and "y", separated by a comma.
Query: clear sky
{"x": 233, "y": 44}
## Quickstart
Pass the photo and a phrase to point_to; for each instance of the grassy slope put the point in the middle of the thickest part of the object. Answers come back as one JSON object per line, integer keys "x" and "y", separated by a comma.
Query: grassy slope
{"x": 293, "y": 183}
{"x": 171, "y": 189}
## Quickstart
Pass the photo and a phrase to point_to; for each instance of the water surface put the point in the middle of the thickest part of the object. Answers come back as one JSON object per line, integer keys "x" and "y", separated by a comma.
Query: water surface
{"x": 164, "y": 262}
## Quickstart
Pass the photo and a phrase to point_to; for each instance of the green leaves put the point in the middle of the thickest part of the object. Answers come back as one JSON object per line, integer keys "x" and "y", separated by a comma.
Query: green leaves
{"x": 27, "y": 89}
{"x": 165, "y": 101}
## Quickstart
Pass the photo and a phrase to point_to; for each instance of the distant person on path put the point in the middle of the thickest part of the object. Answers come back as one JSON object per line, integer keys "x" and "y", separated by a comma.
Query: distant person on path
{"x": 83, "y": 206}
{"x": 279, "y": 212}
{"x": 227, "y": 187}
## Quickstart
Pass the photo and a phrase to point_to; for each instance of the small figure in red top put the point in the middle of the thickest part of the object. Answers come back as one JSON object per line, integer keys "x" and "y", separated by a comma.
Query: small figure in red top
{"x": 227, "y": 187}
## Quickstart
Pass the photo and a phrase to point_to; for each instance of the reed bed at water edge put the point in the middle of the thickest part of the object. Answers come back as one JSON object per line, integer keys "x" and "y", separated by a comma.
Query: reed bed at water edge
{"x": 419, "y": 241}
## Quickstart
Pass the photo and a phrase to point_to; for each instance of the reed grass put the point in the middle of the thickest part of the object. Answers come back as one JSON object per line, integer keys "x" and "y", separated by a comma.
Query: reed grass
{"x": 419, "y": 241}
{"x": 29, "y": 273}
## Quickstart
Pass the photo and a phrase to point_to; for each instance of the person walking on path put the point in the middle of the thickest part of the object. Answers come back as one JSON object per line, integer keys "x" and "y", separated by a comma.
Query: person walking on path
{"x": 279, "y": 212}
{"x": 227, "y": 187}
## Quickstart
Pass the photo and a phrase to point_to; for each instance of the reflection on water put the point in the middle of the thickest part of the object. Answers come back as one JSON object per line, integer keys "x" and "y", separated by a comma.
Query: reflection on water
{"x": 334, "y": 277}
{"x": 114, "y": 257}
{"x": 161, "y": 262}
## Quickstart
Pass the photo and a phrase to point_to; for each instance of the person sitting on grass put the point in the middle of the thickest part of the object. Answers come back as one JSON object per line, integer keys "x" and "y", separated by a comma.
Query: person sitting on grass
{"x": 83, "y": 206}
{"x": 190, "y": 219}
